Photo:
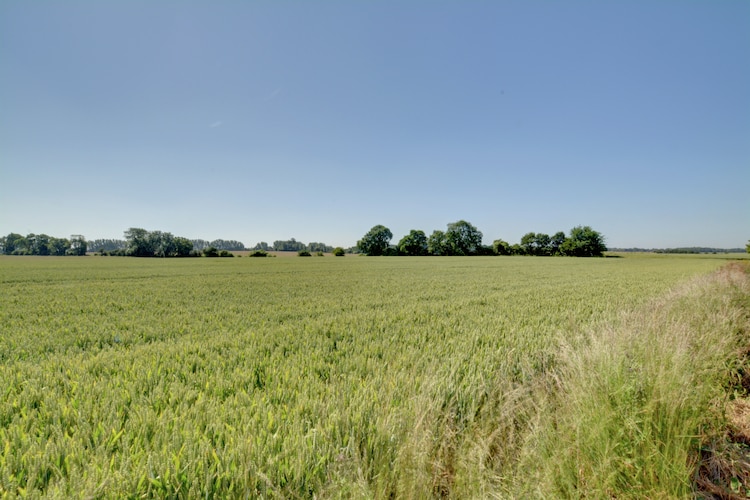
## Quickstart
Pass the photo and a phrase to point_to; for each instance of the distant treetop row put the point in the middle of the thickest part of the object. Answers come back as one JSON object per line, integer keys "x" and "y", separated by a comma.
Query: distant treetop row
{"x": 460, "y": 238}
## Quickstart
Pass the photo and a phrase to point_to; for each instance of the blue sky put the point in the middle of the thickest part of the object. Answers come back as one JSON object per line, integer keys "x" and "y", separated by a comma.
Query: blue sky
{"x": 260, "y": 121}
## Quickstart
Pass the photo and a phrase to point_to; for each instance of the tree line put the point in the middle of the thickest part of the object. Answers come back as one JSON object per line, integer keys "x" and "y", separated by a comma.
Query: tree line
{"x": 459, "y": 238}
{"x": 114, "y": 245}
{"x": 42, "y": 244}
{"x": 293, "y": 245}
{"x": 463, "y": 238}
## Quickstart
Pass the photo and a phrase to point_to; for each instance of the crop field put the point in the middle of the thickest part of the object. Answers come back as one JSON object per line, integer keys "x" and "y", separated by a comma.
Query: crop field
{"x": 330, "y": 377}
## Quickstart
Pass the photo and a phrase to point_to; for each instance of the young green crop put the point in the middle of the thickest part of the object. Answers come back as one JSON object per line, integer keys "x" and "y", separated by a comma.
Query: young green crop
{"x": 288, "y": 377}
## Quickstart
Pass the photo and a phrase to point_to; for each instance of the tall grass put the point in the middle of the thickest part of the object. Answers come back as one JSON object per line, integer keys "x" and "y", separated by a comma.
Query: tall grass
{"x": 629, "y": 406}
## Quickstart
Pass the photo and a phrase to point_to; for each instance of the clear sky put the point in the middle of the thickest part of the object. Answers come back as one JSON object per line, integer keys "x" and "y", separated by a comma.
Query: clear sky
{"x": 260, "y": 121}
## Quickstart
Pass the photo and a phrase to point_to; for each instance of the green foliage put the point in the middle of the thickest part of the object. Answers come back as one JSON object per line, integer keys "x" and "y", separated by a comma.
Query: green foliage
{"x": 78, "y": 245}
{"x": 583, "y": 242}
{"x": 259, "y": 253}
{"x": 339, "y": 252}
{"x": 228, "y": 245}
{"x": 536, "y": 244}
{"x": 437, "y": 243}
{"x": 376, "y": 241}
{"x": 462, "y": 238}
{"x": 143, "y": 243}
{"x": 211, "y": 252}
{"x": 414, "y": 243}
{"x": 501, "y": 247}
{"x": 747, "y": 247}
{"x": 304, "y": 253}
{"x": 291, "y": 245}
{"x": 42, "y": 244}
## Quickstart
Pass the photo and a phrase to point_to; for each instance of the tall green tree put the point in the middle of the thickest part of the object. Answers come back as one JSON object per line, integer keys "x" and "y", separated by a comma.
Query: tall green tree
{"x": 462, "y": 238}
{"x": 436, "y": 243}
{"x": 536, "y": 244}
{"x": 414, "y": 243}
{"x": 139, "y": 242}
{"x": 38, "y": 244}
{"x": 78, "y": 245}
{"x": 59, "y": 246}
{"x": 556, "y": 242}
{"x": 182, "y": 247}
{"x": 376, "y": 241}
{"x": 14, "y": 243}
{"x": 501, "y": 247}
{"x": 584, "y": 242}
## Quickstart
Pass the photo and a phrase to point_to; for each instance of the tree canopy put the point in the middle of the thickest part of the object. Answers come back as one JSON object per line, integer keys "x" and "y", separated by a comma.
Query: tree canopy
{"x": 462, "y": 238}
{"x": 414, "y": 243}
{"x": 42, "y": 244}
{"x": 376, "y": 241}
{"x": 143, "y": 243}
{"x": 583, "y": 242}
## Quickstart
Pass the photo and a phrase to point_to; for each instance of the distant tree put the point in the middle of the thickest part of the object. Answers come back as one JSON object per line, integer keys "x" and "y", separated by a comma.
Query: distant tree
{"x": 543, "y": 244}
{"x": 200, "y": 244}
{"x": 228, "y": 245}
{"x": 462, "y": 238}
{"x": 261, "y": 246}
{"x": 414, "y": 243}
{"x": 107, "y": 245}
{"x": 437, "y": 244}
{"x": 338, "y": 252}
{"x": 584, "y": 242}
{"x": 12, "y": 243}
{"x": 536, "y": 244}
{"x": 225, "y": 253}
{"x": 501, "y": 247}
{"x": 318, "y": 247}
{"x": 556, "y": 242}
{"x": 161, "y": 243}
{"x": 485, "y": 250}
{"x": 376, "y": 241}
{"x": 259, "y": 253}
{"x": 747, "y": 247}
{"x": 527, "y": 243}
{"x": 291, "y": 245}
{"x": 78, "y": 245}
{"x": 304, "y": 253}
{"x": 37, "y": 244}
{"x": 210, "y": 252}
{"x": 59, "y": 246}
{"x": 182, "y": 247}
{"x": 139, "y": 243}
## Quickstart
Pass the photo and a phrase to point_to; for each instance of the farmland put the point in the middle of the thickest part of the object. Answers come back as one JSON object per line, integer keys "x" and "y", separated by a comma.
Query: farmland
{"x": 353, "y": 377}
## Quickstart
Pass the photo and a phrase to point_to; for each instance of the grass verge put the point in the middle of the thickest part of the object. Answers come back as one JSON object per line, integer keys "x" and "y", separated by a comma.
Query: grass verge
{"x": 649, "y": 405}
{"x": 632, "y": 407}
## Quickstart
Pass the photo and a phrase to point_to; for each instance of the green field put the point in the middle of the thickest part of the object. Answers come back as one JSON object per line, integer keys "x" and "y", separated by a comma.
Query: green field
{"x": 330, "y": 377}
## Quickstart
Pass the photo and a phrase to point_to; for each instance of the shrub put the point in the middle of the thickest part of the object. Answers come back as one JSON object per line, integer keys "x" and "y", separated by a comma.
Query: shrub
{"x": 338, "y": 252}
{"x": 259, "y": 253}
{"x": 211, "y": 252}
{"x": 304, "y": 253}
{"x": 225, "y": 253}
